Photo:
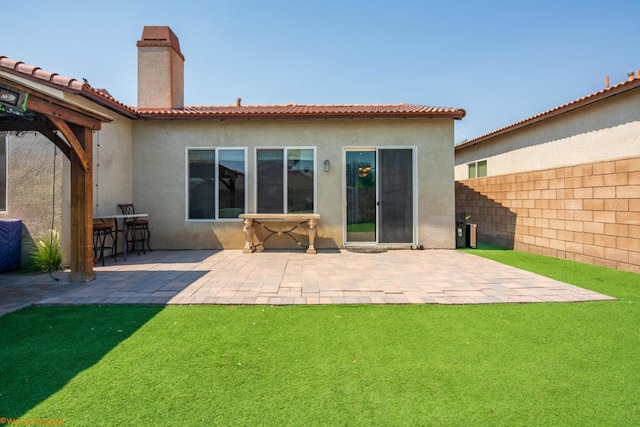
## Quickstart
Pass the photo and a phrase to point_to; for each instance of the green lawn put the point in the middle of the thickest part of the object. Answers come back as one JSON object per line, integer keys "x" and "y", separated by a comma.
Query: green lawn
{"x": 504, "y": 364}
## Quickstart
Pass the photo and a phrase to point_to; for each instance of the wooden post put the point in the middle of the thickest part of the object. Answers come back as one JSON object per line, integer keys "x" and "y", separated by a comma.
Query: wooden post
{"x": 82, "y": 209}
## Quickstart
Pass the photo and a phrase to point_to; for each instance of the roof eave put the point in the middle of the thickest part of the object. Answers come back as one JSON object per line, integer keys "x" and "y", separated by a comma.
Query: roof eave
{"x": 76, "y": 88}
{"x": 112, "y": 105}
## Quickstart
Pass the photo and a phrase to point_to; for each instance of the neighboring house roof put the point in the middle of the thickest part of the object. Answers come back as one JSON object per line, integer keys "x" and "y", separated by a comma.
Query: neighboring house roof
{"x": 102, "y": 97}
{"x": 303, "y": 111}
{"x": 633, "y": 82}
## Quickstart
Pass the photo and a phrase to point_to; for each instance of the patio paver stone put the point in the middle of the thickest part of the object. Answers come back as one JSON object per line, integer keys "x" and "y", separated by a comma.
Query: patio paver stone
{"x": 287, "y": 278}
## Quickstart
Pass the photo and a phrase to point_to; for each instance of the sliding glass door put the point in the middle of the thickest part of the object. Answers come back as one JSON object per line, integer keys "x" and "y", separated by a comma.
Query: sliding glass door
{"x": 380, "y": 196}
{"x": 361, "y": 196}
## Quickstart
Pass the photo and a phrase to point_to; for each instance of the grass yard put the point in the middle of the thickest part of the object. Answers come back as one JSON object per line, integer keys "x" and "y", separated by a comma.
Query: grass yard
{"x": 503, "y": 364}
{"x": 365, "y": 227}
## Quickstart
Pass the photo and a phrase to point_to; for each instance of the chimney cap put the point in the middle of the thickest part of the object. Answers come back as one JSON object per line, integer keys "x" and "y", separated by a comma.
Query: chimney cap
{"x": 160, "y": 36}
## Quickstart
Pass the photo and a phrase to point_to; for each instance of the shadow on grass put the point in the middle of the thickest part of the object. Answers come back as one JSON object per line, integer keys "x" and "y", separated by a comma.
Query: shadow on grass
{"x": 44, "y": 348}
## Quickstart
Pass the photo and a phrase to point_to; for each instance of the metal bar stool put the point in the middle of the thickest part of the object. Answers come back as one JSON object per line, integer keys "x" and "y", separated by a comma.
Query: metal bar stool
{"x": 137, "y": 228}
{"x": 100, "y": 232}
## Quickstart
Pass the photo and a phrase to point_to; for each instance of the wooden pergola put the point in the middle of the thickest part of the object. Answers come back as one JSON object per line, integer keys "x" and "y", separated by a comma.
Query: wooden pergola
{"x": 24, "y": 108}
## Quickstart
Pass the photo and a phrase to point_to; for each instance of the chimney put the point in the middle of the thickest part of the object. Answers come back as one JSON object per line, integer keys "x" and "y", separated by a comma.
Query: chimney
{"x": 606, "y": 82}
{"x": 160, "y": 69}
{"x": 630, "y": 76}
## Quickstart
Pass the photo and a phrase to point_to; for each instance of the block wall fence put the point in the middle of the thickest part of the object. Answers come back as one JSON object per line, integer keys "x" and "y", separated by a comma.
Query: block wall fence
{"x": 588, "y": 213}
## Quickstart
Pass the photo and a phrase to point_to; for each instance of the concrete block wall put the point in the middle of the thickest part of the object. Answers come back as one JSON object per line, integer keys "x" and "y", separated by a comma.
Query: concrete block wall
{"x": 588, "y": 213}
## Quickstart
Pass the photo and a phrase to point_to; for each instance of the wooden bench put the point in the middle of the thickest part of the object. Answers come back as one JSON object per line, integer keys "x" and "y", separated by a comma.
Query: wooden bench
{"x": 297, "y": 219}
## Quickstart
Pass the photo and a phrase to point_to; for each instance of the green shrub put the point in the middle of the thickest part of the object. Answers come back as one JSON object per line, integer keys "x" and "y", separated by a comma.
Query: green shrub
{"x": 47, "y": 254}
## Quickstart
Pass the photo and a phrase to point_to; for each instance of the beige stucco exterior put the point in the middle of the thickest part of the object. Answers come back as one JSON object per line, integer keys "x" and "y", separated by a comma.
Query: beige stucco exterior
{"x": 141, "y": 158}
{"x": 144, "y": 162}
{"x": 113, "y": 164}
{"x": 32, "y": 195}
{"x": 159, "y": 173}
{"x": 606, "y": 130}
{"x": 160, "y": 78}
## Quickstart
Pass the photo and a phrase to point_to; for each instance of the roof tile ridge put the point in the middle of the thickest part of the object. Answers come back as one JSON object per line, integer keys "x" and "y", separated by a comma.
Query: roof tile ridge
{"x": 40, "y": 74}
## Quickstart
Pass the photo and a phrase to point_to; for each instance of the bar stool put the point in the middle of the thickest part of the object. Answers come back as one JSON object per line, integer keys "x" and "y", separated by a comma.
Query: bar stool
{"x": 100, "y": 232}
{"x": 137, "y": 228}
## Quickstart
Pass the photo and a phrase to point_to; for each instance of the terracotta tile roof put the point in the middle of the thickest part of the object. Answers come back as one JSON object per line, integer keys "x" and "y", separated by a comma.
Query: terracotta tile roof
{"x": 304, "y": 110}
{"x": 632, "y": 83}
{"x": 104, "y": 98}
{"x": 65, "y": 84}
{"x": 38, "y": 74}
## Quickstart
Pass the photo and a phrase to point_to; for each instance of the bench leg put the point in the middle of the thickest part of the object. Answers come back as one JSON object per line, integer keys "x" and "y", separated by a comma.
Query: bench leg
{"x": 248, "y": 236}
{"x": 312, "y": 236}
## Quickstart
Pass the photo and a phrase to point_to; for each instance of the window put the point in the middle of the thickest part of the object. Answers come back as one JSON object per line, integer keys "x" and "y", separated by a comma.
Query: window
{"x": 216, "y": 183}
{"x": 285, "y": 180}
{"x": 3, "y": 172}
{"x": 478, "y": 169}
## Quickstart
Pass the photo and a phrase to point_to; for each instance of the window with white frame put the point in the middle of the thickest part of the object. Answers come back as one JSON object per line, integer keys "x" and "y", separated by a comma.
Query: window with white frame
{"x": 3, "y": 171}
{"x": 477, "y": 169}
{"x": 217, "y": 182}
{"x": 285, "y": 180}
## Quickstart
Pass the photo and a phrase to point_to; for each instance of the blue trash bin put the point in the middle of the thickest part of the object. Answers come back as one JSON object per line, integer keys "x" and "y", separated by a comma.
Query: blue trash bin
{"x": 10, "y": 243}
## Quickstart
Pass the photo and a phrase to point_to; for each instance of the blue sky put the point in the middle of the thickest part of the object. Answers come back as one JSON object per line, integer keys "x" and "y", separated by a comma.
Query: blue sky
{"x": 502, "y": 61}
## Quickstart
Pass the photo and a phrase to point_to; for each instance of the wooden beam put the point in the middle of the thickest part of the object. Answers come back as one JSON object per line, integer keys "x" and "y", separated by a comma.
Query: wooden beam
{"x": 22, "y": 126}
{"x": 76, "y": 124}
{"x": 42, "y": 102}
{"x": 59, "y": 142}
{"x": 76, "y": 146}
{"x": 49, "y": 109}
{"x": 82, "y": 211}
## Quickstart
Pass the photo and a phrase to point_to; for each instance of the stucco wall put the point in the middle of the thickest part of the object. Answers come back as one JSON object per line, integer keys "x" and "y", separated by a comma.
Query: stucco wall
{"x": 608, "y": 129}
{"x": 588, "y": 213}
{"x": 32, "y": 195}
{"x": 160, "y": 163}
{"x": 112, "y": 168}
{"x": 160, "y": 78}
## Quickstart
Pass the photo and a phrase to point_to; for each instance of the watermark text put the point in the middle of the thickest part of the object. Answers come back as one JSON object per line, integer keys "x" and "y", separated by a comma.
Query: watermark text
{"x": 31, "y": 421}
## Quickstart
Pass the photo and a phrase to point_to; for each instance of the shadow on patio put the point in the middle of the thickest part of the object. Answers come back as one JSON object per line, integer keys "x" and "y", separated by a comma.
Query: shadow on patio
{"x": 293, "y": 277}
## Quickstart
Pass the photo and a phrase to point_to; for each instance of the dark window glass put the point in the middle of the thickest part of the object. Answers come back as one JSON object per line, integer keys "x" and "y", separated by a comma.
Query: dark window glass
{"x": 300, "y": 173}
{"x": 231, "y": 183}
{"x": 270, "y": 177}
{"x": 202, "y": 184}
{"x": 396, "y": 196}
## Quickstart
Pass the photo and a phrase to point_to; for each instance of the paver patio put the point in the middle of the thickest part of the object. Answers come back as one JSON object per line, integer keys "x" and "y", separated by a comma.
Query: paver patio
{"x": 285, "y": 278}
